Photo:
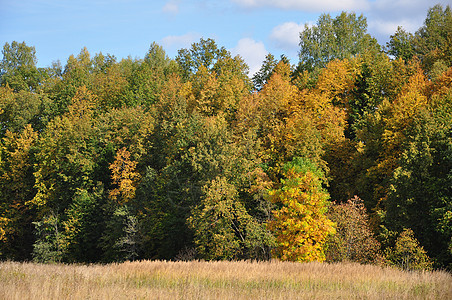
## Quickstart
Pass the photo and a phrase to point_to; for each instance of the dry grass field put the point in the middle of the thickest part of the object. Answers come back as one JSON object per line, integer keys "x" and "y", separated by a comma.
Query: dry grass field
{"x": 218, "y": 280}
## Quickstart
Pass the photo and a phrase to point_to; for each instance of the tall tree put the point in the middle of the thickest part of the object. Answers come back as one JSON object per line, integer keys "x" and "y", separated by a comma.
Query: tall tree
{"x": 206, "y": 53}
{"x": 265, "y": 72}
{"x": 420, "y": 191}
{"x": 342, "y": 37}
{"x": 400, "y": 44}
{"x": 433, "y": 41}
{"x": 147, "y": 77}
{"x": 16, "y": 191}
{"x": 18, "y": 67}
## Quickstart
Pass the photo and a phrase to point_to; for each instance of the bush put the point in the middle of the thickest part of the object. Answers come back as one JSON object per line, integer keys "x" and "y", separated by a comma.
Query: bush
{"x": 50, "y": 244}
{"x": 407, "y": 254}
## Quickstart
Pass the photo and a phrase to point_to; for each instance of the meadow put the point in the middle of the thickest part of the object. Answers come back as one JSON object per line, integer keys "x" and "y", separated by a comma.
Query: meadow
{"x": 219, "y": 280}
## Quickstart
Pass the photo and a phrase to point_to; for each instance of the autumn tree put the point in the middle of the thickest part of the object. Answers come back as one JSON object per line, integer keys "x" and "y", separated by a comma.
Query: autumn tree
{"x": 16, "y": 190}
{"x": 419, "y": 195}
{"x": 354, "y": 239}
{"x": 124, "y": 177}
{"x": 108, "y": 82}
{"x": 265, "y": 114}
{"x": 300, "y": 225}
{"x": 407, "y": 254}
{"x": 217, "y": 80}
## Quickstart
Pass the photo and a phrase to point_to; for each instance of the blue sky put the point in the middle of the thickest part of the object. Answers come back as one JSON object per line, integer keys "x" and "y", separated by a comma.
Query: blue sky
{"x": 251, "y": 28}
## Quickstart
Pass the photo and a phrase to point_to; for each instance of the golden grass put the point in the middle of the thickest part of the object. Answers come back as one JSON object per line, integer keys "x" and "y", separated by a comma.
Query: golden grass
{"x": 218, "y": 280}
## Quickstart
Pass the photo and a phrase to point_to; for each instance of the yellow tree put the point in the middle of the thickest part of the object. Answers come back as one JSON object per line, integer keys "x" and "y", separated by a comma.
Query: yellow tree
{"x": 124, "y": 176}
{"x": 16, "y": 188}
{"x": 396, "y": 119}
{"x": 300, "y": 224}
{"x": 109, "y": 87}
{"x": 266, "y": 113}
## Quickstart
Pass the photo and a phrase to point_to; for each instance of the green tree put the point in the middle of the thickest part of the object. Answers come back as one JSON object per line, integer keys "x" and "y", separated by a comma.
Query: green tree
{"x": 334, "y": 38}
{"x": 205, "y": 53}
{"x": 83, "y": 224}
{"x": 420, "y": 193}
{"x": 265, "y": 72}
{"x": 66, "y": 157}
{"x": 400, "y": 44}
{"x": 18, "y": 67}
{"x": 50, "y": 245}
{"x": 77, "y": 73}
{"x": 433, "y": 41}
{"x": 222, "y": 227}
{"x": 147, "y": 77}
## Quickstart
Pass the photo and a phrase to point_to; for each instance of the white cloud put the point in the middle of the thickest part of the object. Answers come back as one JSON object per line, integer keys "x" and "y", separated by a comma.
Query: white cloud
{"x": 252, "y": 52}
{"x": 307, "y": 5}
{"x": 386, "y": 28}
{"x": 180, "y": 41}
{"x": 384, "y": 16}
{"x": 171, "y": 7}
{"x": 287, "y": 35}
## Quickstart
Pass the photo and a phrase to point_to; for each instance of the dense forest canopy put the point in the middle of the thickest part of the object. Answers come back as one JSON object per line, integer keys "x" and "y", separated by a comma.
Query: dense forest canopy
{"x": 346, "y": 155}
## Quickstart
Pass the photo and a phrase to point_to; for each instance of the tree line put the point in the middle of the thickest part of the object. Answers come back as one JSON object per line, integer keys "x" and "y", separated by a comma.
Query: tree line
{"x": 346, "y": 155}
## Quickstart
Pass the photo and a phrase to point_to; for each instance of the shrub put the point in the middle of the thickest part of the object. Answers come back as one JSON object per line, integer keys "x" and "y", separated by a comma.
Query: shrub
{"x": 407, "y": 254}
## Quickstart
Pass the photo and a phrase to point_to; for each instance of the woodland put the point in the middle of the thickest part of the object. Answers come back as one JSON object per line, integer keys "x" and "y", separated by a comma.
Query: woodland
{"x": 343, "y": 156}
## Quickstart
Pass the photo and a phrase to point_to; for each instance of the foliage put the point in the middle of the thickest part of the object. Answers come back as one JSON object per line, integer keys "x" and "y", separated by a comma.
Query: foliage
{"x": 420, "y": 194}
{"x": 354, "y": 240}
{"x": 18, "y": 67}
{"x": 407, "y": 254}
{"x": 301, "y": 226}
{"x": 50, "y": 244}
{"x": 433, "y": 41}
{"x": 400, "y": 46}
{"x": 16, "y": 189}
{"x": 121, "y": 240}
{"x": 222, "y": 227}
{"x": 82, "y": 226}
{"x": 160, "y": 158}
{"x": 334, "y": 38}
{"x": 124, "y": 176}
